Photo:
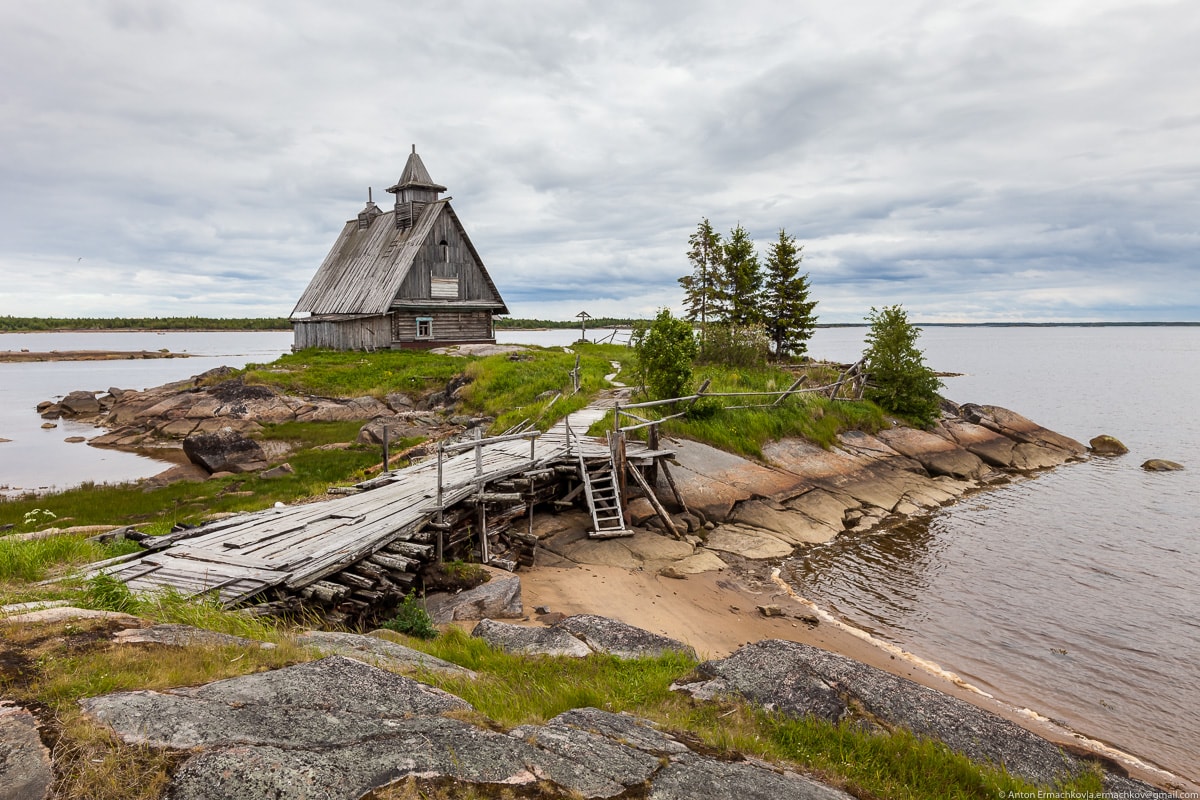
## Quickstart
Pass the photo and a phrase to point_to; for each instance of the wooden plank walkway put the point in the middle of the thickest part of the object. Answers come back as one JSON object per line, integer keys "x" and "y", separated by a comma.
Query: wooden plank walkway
{"x": 295, "y": 546}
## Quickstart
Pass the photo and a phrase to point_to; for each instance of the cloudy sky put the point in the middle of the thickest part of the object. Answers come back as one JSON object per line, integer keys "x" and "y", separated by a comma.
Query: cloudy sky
{"x": 974, "y": 161}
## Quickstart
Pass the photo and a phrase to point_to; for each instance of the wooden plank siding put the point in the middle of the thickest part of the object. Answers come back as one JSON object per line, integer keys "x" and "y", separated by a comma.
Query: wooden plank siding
{"x": 447, "y": 326}
{"x": 358, "y": 333}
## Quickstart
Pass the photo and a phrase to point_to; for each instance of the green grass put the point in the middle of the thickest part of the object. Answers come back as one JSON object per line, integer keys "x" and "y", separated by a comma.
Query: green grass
{"x": 350, "y": 374}
{"x": 508, "y": 389}
{"x": 517, "y": 690}
{"x": 745, "y": 431}
{"x": 33, "y": 560}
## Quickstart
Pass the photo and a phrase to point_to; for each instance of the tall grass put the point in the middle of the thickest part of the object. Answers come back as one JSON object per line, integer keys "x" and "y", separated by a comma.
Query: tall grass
{"x": 30, "y": 561}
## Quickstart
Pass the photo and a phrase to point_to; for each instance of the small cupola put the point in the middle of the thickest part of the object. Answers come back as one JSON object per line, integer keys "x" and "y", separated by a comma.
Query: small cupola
{"x": 369, "y": 213}
{"x": 413, "y": 191}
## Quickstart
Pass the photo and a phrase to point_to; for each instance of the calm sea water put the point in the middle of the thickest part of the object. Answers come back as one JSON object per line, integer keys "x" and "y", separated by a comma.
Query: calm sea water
{"x": 1073, "y": 594}
{"x": 37, "y": 459}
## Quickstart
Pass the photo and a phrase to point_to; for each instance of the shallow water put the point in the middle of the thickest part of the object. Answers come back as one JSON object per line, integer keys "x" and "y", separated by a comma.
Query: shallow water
{"x": 1073, "y": 594}
{"x": 37, "y": 459}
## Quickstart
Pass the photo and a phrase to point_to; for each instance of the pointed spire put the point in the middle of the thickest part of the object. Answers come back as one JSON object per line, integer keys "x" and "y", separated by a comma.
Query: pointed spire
{"x": 415, "y": 176}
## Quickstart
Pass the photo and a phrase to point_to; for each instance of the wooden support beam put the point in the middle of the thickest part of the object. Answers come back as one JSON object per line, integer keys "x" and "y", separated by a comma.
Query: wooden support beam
{"x": 674, "y": 489}
{"x": 668, "y": 523}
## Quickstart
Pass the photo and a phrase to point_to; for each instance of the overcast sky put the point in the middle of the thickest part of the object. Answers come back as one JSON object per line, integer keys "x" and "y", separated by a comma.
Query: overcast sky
{"x": 990, "y": 161}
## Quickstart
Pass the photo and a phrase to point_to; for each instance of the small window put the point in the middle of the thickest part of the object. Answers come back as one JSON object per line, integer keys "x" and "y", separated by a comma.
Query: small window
{"x": 424, "y": 327}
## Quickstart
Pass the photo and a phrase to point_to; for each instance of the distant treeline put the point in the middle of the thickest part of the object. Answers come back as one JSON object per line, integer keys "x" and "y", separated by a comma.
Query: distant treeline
{"x": 33, "y": 324}
{"x": 594, "y": 322}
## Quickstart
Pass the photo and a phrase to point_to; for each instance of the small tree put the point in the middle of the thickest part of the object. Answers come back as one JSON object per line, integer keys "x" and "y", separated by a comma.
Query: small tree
{"x": 898, "y": 380}
{"x": 743, "y": 279}
{"x": 788, "y": 312}
{"x": 704, "y": 288}
{"x": 665, "y": 351}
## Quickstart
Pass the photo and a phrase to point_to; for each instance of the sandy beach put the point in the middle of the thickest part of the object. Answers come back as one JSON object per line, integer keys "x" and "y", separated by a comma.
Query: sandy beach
{"x": 718, "y": 612}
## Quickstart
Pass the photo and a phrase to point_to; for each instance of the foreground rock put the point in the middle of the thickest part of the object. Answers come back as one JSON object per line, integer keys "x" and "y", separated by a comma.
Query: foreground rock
{"x": 25, "y": 769}
{"x": 579, "y": 636}
{"x": 225, "y": 450}
{"x": 499, "y": 598}
{"x": 337, "y": 728}
{"x": 800, "y": 680}
{"x": 377, "y": 650}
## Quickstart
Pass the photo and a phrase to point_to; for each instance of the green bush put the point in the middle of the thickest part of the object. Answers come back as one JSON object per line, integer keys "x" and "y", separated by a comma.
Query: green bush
{"x": 412, "y": 619}
{"x": 665, "y": 351}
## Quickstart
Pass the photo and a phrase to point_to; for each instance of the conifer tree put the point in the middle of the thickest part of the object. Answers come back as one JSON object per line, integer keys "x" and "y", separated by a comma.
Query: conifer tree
{"x": 743, "y": 280}
{"x": 787, "y": 309}
{"x": 703, "y": 289}
{"x": 898, "y": 379}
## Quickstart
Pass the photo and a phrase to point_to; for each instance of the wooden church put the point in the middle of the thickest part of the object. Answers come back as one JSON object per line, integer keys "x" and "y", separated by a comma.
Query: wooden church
{"x": 405, "y": 278}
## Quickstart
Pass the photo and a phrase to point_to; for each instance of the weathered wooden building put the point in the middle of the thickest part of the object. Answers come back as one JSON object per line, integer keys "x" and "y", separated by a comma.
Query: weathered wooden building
{"x": 405, "y": 278}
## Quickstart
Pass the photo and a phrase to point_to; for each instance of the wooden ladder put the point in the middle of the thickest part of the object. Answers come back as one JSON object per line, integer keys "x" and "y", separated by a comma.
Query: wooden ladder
{"x": 603, "y": 493}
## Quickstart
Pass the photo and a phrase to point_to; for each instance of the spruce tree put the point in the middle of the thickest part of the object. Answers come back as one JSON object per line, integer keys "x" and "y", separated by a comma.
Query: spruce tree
{"x": 743, "y": 279}
{"x": 788, "y": 312}
{"x": 703, "y": 289}
{"x": 897, "y": 378}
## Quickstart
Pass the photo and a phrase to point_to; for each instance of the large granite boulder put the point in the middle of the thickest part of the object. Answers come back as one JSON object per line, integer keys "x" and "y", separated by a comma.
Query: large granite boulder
{"x": 499, "y": 598}
{"x": 799, "y": 680}
{"x": 620, "y": 639}
{"x": 338, "y": 729}
{"x": 1039, "y": 447}
{"x": 225, "y": 451}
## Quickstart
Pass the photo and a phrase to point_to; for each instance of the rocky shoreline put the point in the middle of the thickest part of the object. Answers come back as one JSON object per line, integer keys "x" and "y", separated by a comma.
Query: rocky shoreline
{"x": 742, "y": 516}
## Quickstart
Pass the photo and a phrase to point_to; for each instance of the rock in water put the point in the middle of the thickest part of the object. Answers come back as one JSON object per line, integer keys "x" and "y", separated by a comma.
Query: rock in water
{"x": 225, "y": 450}
{"x": 1161, "y": 465}
{"x": 1105, "y": 445}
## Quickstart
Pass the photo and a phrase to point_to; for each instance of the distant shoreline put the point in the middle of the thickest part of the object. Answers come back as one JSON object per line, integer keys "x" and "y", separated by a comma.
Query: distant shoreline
{"x": 622, "y": 325}
{"x": 24, "y": 356}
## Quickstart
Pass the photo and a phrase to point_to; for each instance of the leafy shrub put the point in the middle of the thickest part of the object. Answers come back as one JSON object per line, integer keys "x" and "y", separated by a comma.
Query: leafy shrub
{"x": 665, "y": 351}
{"x": 412, "y": 619}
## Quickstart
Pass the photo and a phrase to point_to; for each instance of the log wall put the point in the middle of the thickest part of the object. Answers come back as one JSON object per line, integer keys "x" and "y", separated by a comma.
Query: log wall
{"x": 359, "y": 333}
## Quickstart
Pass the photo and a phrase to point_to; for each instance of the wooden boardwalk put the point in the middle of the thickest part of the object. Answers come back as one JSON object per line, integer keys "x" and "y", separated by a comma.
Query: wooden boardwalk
{"x": 292, "y": 547}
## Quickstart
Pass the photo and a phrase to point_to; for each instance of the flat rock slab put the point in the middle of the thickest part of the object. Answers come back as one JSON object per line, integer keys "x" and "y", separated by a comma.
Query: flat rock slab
{"x": 748, "y": 542}
{"x": 175, "y": 635}
{"x": 617, "y": 638}
{"x": 527, "y": 640}
{"x": 800, "y": 680}
{"x": 68, "y": 613}
{"x": 25, "y": 769}
{"x": 339, "y": 729}
{"x": 376, "y": 650}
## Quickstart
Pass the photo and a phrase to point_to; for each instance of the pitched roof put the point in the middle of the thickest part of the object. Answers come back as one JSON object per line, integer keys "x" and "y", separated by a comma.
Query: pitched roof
{"x": 366, "y": 267}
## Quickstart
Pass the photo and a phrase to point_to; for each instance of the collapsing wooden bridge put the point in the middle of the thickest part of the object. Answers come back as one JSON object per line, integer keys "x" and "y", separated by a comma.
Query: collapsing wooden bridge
{"x": 357, "y": 555}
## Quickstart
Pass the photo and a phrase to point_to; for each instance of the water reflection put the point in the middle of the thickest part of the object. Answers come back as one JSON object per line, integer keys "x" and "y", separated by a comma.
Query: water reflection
{"x": 874, "y": 579}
